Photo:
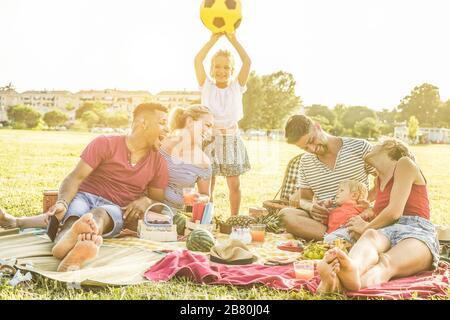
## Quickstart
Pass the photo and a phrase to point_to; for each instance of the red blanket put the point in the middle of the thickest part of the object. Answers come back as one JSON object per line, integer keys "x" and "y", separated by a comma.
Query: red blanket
{"x": 199, "y": 269}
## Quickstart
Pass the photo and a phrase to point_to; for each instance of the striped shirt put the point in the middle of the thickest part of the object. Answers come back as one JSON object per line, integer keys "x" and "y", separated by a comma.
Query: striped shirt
{"x": 323, "y": 181}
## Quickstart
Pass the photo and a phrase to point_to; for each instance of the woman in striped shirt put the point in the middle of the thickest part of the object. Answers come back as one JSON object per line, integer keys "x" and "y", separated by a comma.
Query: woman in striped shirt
{"x": 183, "y": 150}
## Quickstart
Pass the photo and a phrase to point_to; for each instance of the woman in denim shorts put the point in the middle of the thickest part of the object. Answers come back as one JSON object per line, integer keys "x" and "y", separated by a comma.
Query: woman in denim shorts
{"x": 400, "y": 240}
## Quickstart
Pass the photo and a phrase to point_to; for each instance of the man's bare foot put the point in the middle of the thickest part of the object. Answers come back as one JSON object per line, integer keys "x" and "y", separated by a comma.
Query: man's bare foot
{"x": 85, "y": 249}
{"x": 347, "y": 271}
{"x": 8, "y": 221}
{"x": 85, "y": 224}
{"x": 328, "y": 268}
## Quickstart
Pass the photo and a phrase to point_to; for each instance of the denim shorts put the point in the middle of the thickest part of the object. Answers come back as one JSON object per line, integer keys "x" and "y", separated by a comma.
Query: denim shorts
{"x": 84, "y": 202}
{"x": 341, "y": 233}
{"x": 417, "y": 228}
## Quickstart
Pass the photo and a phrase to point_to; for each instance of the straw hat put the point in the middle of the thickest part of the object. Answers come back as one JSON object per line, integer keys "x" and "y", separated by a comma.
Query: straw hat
{"x": 443, "y": 233}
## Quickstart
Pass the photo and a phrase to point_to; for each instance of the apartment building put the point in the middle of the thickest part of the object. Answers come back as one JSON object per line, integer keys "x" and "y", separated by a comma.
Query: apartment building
{"x": 114, "y": 100}
{"x": 178, "y": 98}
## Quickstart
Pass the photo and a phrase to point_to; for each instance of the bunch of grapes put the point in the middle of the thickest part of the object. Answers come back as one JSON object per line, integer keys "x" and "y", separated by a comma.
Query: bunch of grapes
{"x": 315, "y": 251}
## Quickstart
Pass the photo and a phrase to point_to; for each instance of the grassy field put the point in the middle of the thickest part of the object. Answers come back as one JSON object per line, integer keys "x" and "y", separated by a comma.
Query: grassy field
{"x": 32, "y": 161}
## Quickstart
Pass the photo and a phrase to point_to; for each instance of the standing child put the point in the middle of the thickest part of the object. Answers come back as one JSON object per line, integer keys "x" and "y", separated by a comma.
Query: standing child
{"x": 222, "y": 94}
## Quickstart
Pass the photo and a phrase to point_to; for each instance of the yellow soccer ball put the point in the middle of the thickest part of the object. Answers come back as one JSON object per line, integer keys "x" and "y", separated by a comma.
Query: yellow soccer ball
{"x": 221, "y": 15}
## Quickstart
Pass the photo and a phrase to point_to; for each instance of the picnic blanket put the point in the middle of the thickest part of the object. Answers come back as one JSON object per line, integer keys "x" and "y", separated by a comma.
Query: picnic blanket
{"x": 127, "y": 261}
{"x": 120, "y": 261}
{"x": 114, "y": 265}
{"x": 265, "y": 252}
{"x": 198, "y": 268}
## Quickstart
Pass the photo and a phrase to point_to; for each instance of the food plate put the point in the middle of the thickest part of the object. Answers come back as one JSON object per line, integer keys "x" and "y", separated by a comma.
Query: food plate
{"x": 293, "y": 246}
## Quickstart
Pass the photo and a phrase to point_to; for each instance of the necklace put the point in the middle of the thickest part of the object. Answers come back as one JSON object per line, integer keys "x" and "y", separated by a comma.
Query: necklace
{"x": 130, "y": 149}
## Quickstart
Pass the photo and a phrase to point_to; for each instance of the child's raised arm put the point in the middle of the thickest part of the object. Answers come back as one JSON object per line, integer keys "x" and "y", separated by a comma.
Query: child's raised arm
{"x": 200, "y": 57}
{"x": 246, "y": 62}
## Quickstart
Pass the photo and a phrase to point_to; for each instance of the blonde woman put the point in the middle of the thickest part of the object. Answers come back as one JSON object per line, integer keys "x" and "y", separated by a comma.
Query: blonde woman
{"x": 187, "y": 163}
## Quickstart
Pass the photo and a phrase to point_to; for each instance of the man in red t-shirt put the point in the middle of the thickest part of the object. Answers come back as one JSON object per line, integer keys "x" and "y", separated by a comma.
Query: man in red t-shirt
{"x": 108, "y": 186}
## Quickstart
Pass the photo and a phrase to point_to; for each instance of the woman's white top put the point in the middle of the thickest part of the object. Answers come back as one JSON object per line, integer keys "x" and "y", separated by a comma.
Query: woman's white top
{"x": 225, "y": 104}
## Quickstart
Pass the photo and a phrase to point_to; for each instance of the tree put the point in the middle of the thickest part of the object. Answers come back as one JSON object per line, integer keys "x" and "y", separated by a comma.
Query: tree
{"x": 55, "y": 118}
{"x": 69, "y": 107}
{"x": 90, "y": 118}
{"x": 387, "y": 116}
{"x": 423, "y": 102}
{"x": 356, "y": 114}
{"x": 387, "y": 119}
{"x": 25, "y": 116}
{"x": 269, "y": 100}
{"x": 118, "y": 120}
{"x": 323, "y": 111}
{"x": 97, "y": 108}
{"x": 253, "y": 100}
{"x": 413, "y": 127}
{"x": 444, "y": 113}
{"x": 338, "y": 128}
{"x": 339, "y": 111}
{"x": 367, "y": 128}
{"x": 324, "y": 122}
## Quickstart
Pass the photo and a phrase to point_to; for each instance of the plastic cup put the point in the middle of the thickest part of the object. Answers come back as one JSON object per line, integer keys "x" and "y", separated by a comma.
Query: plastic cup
{"x": 189, "y": 196}
{"x": 304, "y": 269}
{"x": 258, "y": 232}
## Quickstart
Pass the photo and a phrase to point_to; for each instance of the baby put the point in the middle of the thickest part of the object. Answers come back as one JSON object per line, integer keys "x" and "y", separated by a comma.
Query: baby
{"x": 350, "y": 199}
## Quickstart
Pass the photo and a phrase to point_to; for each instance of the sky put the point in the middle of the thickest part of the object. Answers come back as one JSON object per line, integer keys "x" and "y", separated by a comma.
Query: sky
{"x": 355, "y": 52}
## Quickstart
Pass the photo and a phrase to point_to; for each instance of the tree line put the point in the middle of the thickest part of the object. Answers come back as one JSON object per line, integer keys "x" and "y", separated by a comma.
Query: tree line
{"x": 268, "y": 102}
{"x": 271, "y": 99}
{"x": 87, "y": 116}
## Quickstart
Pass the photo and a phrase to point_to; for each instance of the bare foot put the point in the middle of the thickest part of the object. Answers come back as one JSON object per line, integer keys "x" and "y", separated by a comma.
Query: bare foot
{"x": 8, "y": 221}
{"x": 85, "y": 224}
{"x": 328, "y": 268}
{"x": 85, "y": 249}
{"x": 348, "y": 271}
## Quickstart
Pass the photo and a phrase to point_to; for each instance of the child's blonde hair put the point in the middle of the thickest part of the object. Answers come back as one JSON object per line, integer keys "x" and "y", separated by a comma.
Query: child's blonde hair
{"x": 223, "y": 53}
{"x": 179, "y": 115}
{"x": 357, "y": 187}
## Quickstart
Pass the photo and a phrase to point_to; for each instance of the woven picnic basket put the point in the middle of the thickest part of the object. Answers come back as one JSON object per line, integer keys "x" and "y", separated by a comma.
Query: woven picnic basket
{"x": 288, "y": 187}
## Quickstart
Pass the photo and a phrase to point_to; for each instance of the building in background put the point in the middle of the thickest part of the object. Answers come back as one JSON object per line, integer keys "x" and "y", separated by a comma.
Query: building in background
{"x": 8, "y": 97}
{"x": 178, "y": 98}
{"x": 424, "y": 135}
{"x": 114, "y": 100}
{"x": 45, "y": 101}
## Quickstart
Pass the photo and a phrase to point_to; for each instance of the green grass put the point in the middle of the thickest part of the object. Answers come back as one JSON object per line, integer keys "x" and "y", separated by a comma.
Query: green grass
{"x": 32, "y": 161}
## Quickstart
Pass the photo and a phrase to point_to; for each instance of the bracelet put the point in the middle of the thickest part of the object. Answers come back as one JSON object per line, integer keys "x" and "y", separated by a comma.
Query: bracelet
{"x": 64, "y": 203}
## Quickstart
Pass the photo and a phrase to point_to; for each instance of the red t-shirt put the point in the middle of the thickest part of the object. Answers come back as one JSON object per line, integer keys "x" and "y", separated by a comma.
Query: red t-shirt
{"x": 340, "y": 215}
{"x": 113, "y": 178}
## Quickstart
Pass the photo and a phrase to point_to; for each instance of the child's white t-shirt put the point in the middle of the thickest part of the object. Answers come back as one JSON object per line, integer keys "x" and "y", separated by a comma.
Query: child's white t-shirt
{"x": 225, "y": 104}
